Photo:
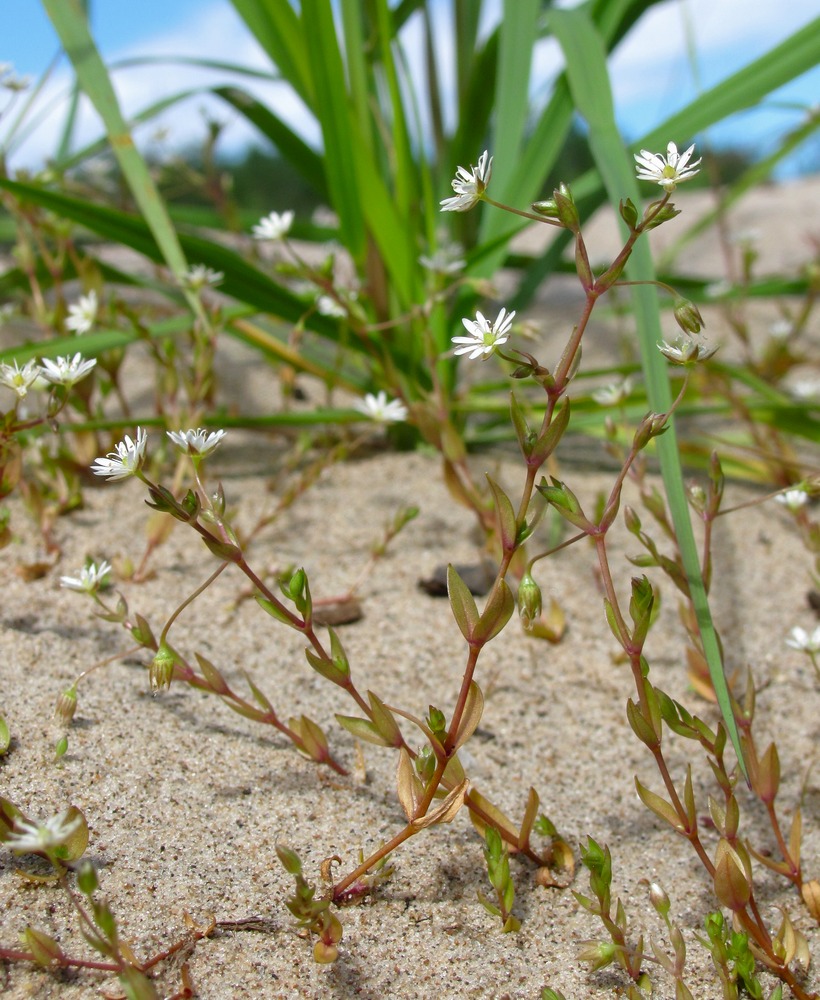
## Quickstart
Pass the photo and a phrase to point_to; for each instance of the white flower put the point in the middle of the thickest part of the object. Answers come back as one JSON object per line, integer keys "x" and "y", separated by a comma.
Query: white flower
{"x": 718, "y": 289}
{"x": 196, "y": 442}
{"x": 67, "y": 371}
{"x": 90, "y": 579}
{"x": 81, "y": 314}
{"x": 20, "y": 380}
{"x": 7, "y": 310}
{"x": 469, "y": 185}
{"x": 484, "y": 336}
{"x": 28, "y": 838}
{"x": 685, "y": 352}
{"x": 273, "y": 226}
{"x": 199, "y": 275}
{"x": 781, "y": 329}
{"x": 9, "y": 79}
{"x": 793, "y": 499}
{"x": 613, "y": 394}
{"x": 669, "y": 170}
{"x": 328, "y": 306}
{"x": 800, "y": 639}
{"x": 380, "y": 409}
{"x": 446, "y": 260}
{"x": 807, "y": 389}
{"x": 125, "y": 460}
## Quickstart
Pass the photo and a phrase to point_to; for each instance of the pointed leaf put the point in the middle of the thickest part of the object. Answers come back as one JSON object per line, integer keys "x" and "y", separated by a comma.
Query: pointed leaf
{"x": 445, "y": 811}
{"x": 473, "y": 710}
{"x": 463, "y": 604}
{"x": 497, "y": 612}
{"x": 362, "y": 729}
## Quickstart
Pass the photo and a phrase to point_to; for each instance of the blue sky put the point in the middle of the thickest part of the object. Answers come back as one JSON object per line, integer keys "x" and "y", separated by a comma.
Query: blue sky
{"x": 651, "y": 74}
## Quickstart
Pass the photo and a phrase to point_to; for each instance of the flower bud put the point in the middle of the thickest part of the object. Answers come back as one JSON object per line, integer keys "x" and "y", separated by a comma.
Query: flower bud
{"x": 628, "y": 212}
{"x": 697, "y": 497}
{"x": 687, "y": 315}
{"x": 425, "y": 763}
{"x": 549, "y": 209}
{"x": 565, "y": 206}
{"x": 162, "y": 669}
{"x": 659, "y": 899}
{"x": 651, "y": 426}
{"x": 529, "y": 600}
{"x": 66, "y": 705}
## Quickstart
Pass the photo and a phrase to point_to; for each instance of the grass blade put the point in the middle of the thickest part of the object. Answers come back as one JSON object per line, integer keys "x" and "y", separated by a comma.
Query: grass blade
{"x": 588, "y": 78}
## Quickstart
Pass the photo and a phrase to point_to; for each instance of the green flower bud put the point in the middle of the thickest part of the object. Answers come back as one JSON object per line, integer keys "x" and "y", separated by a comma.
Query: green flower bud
{"x": 549, "y": 209}
{"x": 659, "y": 899}
{"x": 529, "y": 600}
{"x": 66, "y": 705}
{"x": 567, "y": 212}
{"x": 162, "y": 669}
{"x": 687, "y": 315}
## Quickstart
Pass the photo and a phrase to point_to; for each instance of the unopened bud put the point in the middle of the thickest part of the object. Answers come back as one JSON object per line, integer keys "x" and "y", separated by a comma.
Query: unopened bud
{"x": 162, "y": 669}
{"x": 565, "y": 206}
{"x": 529, "y": 600}
{"x": 697, "y": 497}
{"x": 659, "y": 899}
{"x": 628, "y": 212}
{"x": 425, "y": 763}
{"x": 687, "y": 315}
{"x": 66, "y": 705}
{"x": 651, "y": 426}
{"x": 548, "y": 208}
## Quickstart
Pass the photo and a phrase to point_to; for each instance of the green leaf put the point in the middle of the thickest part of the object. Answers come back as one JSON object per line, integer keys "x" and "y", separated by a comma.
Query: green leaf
{"x": 463, "y": 604}
{"x": 362, "y": 729}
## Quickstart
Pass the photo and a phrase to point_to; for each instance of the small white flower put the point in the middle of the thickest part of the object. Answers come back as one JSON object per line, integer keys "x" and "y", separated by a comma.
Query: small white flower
{"x": 484, "y": 336}
{"x": 807, "y": 389}
{"x": 273, "y": 226}
{"x": 125, "y": 460}
{"x": 326, "y": 305}
{"x": 445, "y": 261}
{"x": 781, "y": 329}
{"x": 67, "y": 371}
{"x": 685, "y": 352}
{"x": 199, "y": 275}
{"x": 81, "y": 314}
{"x": 793, "y": 500}
{"x": 7, "y": 310}
{"x": 90, "y": 579}
{"x": 806, "y": 642}
{"x": 380, "y": 409}
{"x": 613, "y": 394}
{"x": 669, "y": 170}
{"x": 196, "y": 442}
{"x": 469, "y": 185}
{"x": 718, "y": 289}
{"x": 35, "y": 838}
{"x": 10, "y": 81}
{"x": 18, "y": 379}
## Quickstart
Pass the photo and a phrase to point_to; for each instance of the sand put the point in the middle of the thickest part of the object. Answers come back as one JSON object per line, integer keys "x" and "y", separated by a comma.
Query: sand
{"x": 186, "y": 800}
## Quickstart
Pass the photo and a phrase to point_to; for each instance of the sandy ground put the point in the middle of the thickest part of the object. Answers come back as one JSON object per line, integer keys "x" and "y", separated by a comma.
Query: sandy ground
{"x": 185, "y": 800}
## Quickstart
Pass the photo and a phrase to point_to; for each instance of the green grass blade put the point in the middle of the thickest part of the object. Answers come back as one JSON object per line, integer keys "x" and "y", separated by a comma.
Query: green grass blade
{"x": 242, "y": 280}
{"x": 518, "y": 36}
{"x": 72, "y": 28}
{"x": 306, "y": 160}
{"x": 585, "y": 57}
{"x": 275, "y": 25}
{"x": 793, "y": 57}
{"x": 333, "y": 110}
